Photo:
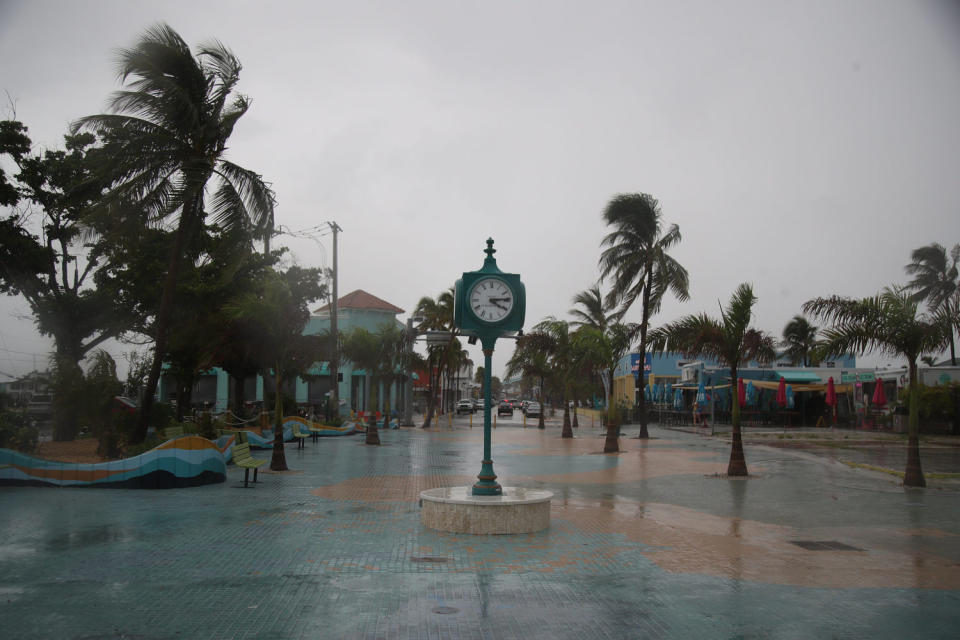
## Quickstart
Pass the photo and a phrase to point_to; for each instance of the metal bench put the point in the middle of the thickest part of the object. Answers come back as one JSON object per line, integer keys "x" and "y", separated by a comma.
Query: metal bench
{"x": 243, "y": 459}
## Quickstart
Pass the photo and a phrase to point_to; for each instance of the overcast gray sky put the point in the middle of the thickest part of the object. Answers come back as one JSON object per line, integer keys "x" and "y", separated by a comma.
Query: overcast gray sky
{"x": 806, "y": 147}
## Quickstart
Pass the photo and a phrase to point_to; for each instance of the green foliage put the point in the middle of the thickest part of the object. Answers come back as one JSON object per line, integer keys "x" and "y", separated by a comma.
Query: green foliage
{"x": 17, "y": 430}
{"x": 935, "y": 403}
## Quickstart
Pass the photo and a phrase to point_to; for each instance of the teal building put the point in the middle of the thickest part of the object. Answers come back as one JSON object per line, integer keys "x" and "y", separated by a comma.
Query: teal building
{"x": 214, "y": 389}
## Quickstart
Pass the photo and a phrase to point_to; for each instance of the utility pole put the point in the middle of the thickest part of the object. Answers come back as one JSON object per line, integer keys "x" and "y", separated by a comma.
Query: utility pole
{"x": 334, "y": 331}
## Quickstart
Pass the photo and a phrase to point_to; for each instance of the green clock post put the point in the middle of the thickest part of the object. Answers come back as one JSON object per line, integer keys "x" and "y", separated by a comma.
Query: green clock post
{"x": 488, "y": 304}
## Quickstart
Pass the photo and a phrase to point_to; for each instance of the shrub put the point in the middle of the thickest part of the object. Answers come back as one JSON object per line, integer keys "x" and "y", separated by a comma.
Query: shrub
{"x": 17, "y": 431}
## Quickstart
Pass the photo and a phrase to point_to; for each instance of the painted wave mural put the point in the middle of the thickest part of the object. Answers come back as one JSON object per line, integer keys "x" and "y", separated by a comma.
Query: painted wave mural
{"x": 186, "y": 461}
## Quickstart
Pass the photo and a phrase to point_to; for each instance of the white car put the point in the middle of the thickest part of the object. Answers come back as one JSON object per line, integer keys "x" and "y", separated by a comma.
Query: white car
{"x": 464, "y": 406}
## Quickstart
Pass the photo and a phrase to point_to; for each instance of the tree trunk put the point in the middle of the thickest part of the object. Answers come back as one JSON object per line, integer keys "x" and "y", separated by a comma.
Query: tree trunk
{"x": 612, "y": 443}
{"x": 576, "y": 423}
{"x": 278, "y": 461}
{"x": 163, "y": 320}
{"x": 644, "y": 325}
{"x": 372, "y": 436}
{"x": 738, "y": 463}
{"x": 431, "y": 394}
{"x": 913, "y": 474}
{"x": 567, "y": 430}
{"x": 543, "y": 407}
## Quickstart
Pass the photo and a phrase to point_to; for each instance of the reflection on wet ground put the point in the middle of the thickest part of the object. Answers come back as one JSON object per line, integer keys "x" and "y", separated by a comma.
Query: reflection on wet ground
{"x": 654, "y": 541}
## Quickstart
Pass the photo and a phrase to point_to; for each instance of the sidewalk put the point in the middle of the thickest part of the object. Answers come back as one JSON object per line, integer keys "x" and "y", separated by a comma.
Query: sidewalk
{"x": 653, "y": 542}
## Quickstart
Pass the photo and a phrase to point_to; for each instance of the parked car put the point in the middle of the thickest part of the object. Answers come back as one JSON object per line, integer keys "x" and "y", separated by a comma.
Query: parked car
{"x": 477, "y": 404}
{"x": 533, "y": 409}
{"x": 464, "y": 406}
{"x": 505, "y": 408}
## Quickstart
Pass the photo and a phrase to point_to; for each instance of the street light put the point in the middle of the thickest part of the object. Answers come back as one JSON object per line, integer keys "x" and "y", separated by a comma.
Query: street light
{"x": 411, "y": 335}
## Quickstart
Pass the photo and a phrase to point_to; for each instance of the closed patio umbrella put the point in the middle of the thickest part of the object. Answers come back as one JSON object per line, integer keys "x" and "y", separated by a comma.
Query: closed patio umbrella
{"x": 782, "y": 393}
{"x": 790, "y": 399}
{"x": 678, "y": 399}
{"x": 879, "y": 395}
{"x": 701, "y": 394}
{"x": 741, "y": 393}
{"x": 832, "y": 397}
{"x": 751, "y": 394}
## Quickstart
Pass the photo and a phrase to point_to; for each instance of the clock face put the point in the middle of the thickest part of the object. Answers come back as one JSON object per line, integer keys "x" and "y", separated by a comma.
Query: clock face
{"x": 490, "y": 299}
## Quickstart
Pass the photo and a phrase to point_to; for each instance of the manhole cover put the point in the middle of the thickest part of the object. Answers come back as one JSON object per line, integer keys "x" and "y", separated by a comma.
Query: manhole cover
{"x": 823, "y": 545}
{"x": 445, "y": 610}
{"x": 429, "y": 559}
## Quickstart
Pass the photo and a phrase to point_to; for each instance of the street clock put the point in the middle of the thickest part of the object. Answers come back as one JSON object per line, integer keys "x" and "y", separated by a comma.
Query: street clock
{"x": 488, "y": 304}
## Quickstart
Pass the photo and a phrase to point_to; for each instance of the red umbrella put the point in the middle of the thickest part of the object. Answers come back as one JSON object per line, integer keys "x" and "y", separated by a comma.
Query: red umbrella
{"x": 782, "y": 393}
{"x": 832, "y": 397}
{"x": 831, "y": 393}
{"x": 879, "y": 395}
{"x": 741, "y": 393}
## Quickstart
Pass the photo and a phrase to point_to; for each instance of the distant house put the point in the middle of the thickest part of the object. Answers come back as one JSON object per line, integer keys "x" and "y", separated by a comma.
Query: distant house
{"x": 355, "y": 309}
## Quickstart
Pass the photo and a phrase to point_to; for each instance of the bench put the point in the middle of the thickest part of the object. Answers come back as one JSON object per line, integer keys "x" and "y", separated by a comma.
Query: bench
{"x": 243, "y": 459}
{"x": 300, "y": 435}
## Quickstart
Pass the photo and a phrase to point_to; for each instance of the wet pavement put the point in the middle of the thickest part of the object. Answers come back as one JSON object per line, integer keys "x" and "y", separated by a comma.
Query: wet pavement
{"x": 653, "y": 542}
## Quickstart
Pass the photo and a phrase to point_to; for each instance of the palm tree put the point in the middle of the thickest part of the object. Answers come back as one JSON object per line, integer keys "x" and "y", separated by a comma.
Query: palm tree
{"x": 636, "y": 256}
{"x": 171, "y": 124}
{"x": 593, "y": 309}
{"x": 276, "y": 311}
{"x": 554, "y": 338}
{"x": 729, "y": 340}
{"x": 799, "y": 340}
{"x": 365, "y": 350}
{"x": 936, "y": 281}
{"x": 603, "y": 350}
{"x": 437, "y": 316}
{"x": 531, "y": 362}
{"x": 889, "y": 323}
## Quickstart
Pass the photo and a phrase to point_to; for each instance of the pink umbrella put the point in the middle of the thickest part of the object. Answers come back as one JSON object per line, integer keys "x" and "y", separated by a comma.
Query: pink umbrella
{"x": 741, "y": 393}
{"x": 879, "y": 395}
{"x": 782, "y": 393}
{"x": 832, "y": 397}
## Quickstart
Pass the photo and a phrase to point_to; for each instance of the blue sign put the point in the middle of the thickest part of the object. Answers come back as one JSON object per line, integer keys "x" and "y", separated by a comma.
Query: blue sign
{"x": 635, "y": 363}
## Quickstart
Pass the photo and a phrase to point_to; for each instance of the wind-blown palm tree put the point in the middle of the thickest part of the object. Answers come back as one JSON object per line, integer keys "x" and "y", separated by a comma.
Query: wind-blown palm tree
{"x": 889, "y": 323}
{"x": 554, "y": 338}
{"x": 437, "y": 315}
{"x": 729, "y": 340}
{"x": 276, "y": 311}
{"x": 171, "y": 125}
{"x": 637, "y": 259}
{"x": 799, "y": 340}
{"x": 593, "y": 309}
{"x": 530, "y": 362}
{"x": 937, "y": 282}
{"x": 365, "y": 350}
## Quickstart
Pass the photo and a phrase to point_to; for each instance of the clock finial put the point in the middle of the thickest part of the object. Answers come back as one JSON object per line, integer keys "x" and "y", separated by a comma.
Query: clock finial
{"x": 490, "y": 260}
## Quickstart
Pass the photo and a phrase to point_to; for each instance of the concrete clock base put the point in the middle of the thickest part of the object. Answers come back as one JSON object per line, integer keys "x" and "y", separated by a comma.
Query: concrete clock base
{"x": 457, "y": 510}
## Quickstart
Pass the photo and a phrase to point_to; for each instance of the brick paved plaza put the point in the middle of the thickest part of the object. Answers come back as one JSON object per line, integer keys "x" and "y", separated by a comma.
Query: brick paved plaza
{"x": 653, "y": 542}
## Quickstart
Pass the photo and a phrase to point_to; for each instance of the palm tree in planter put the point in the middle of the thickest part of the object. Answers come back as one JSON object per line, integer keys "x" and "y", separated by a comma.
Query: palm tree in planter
{"x": 602, "y": 351}
{"x": 636, "y": 258}
{"x": 891, "y": 324}
{"x": 729, "y": 340}
{"x": 365, "y": 350}
{"x": 170, "y": 128}
{"x": 277, "y": 312}
{"x": 553, "y": 337}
